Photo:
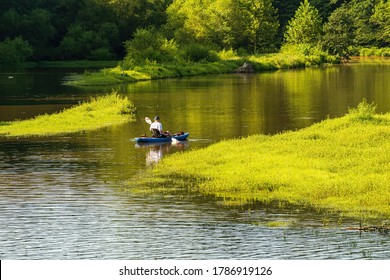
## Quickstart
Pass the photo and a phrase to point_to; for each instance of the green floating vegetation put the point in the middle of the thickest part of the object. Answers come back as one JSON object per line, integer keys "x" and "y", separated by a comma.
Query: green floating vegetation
{"x": 107, "y": 110}
{"x": 338, "y": 165}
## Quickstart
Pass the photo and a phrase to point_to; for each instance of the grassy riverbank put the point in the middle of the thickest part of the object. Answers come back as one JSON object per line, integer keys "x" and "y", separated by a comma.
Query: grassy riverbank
{"x": 338, "y": 165}
{"x": 224, "y": 62}
{"x": 99, "y": 112}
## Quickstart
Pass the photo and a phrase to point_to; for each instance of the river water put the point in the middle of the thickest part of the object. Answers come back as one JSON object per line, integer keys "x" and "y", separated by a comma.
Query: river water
{"x": 63, "y": 197}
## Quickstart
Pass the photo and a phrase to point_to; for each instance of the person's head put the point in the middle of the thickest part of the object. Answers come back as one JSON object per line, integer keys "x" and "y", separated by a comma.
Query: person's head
{"x": 156, "y": 118}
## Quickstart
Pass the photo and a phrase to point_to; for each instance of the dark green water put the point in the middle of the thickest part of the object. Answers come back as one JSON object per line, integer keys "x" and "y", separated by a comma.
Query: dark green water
{"x": 62, "y": 197}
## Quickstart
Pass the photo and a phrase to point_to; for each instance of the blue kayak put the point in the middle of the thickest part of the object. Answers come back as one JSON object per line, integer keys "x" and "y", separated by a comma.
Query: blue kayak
{"x": 181, "y": 137}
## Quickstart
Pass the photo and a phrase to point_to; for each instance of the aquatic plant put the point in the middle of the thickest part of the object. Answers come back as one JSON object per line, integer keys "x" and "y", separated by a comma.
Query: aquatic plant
{"x": 102, "y": 111}
{"x": 340, "y": 165}
{"x": 364, "y": 111}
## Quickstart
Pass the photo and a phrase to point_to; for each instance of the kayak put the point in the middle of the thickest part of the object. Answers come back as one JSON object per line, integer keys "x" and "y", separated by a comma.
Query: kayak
{"x": 180, "y": 137}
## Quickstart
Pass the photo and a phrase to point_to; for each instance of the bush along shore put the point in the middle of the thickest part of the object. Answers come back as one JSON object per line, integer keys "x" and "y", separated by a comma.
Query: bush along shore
{"x": 339, "y": 166}
{"x": 214, "y": 63}
{"x": 102, "y": 111}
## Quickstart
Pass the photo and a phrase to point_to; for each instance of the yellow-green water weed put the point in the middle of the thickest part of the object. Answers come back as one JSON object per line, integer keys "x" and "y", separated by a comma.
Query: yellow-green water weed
{"x": 338, "y": 164}
{"x": 100, "y": 112}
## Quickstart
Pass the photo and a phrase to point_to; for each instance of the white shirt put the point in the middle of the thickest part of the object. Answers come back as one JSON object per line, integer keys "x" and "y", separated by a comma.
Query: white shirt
{"x": 156, "y": 125}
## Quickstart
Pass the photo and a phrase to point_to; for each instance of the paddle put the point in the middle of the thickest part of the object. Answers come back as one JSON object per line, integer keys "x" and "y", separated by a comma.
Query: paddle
{"x": 140, "y": 123}
{"x": 174, "y": 140}
{"x": 148, "y": 120}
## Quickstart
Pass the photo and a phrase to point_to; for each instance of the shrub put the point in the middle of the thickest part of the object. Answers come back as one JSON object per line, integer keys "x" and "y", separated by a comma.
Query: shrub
{"x": 197, "y": 52}
{"x": 374, "y": 51}
{"x": 101, "y": 54}
{"x": 364, "y": 111}
{"x": 14, "y": 51}
{"x": 299, "y": 49}
{"x": 228, "y": 55}
{"x": 149, "y": 45}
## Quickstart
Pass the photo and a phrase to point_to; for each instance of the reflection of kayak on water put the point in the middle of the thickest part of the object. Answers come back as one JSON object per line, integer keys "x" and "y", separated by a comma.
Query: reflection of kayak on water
{"x": 180, "y": 137}
{"x": 162, "y": 144}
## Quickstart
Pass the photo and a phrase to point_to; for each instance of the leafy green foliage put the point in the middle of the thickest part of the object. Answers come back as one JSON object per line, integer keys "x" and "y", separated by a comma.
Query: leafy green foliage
{"x": 49, "y": 26}
{"x": 205, "y": 22}
{"x": 225, "y": 23}
{"x": 149, "y": 45}
{"x": 79, "y": 42}
{"x": 35, "y": 27}
{"x": 364, "y": 111}
{"x": 357, "y": 24}
{"x": 361, "y": 10}
{"x": 96, "y": 29}
{"x": 197, "y": 52}
{"x": 381, "y": 19}
{"x": 306, "y": 55}
{"x": 14, "y": 51}
{"x": 286, "y": 10}
{"x": 339, "y": 33}
{"x": 373, "y": 51}
{"x": 255, "y": 25}
{"x": 305, "y": 27}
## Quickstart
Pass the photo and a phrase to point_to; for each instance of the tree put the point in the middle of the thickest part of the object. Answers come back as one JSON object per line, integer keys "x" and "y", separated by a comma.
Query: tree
{"x": 325, "y": 8}
{"x": 339, "y": 33}
{"x": 78, "y": 43}
{"x": 305, "y": 27}
{"x": 190, "y": 20}
{"x": 38, "y": 30}
{"x": 361, "y": 11}
{"x": 149, "y": 44}
{"x": 251, "y": 24}
{"x": 9, "y": 24}
{"x": 14, "y": 51}
{"x": 134, "y": 14}
{"x": 381, "y": 19}
{"x": 255, "y": 24}
{"x": 219, "y": 28}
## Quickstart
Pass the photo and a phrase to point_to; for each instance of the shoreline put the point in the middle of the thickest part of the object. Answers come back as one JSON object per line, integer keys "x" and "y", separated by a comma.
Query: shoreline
{"x": 224, "y": 65}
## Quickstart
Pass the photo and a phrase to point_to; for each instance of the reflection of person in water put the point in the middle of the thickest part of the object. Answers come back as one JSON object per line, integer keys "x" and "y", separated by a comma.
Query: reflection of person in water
{"x": 154, "y": 155}
{"x": 156, "y": 151}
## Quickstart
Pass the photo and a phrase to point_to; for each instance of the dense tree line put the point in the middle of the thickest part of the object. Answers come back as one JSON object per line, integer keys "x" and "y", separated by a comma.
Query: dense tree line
{"x": 77, "y": 29}
{"x": 159, "y": 29}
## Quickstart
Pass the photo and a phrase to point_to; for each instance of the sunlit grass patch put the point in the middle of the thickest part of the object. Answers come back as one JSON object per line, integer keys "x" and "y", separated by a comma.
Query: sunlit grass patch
{"x": 99, "y": 112}
{"x": 341, "y": 164}
{"x": 104, "y": 77}
{"x": 288, "y": 60}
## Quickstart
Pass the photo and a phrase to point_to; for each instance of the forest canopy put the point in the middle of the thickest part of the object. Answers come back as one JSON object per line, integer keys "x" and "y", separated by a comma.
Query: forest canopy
{"x": 114, "y": 29}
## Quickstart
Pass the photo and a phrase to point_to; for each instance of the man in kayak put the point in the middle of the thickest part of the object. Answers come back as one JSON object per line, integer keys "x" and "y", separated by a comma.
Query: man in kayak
{"x": 157, "y": 129}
